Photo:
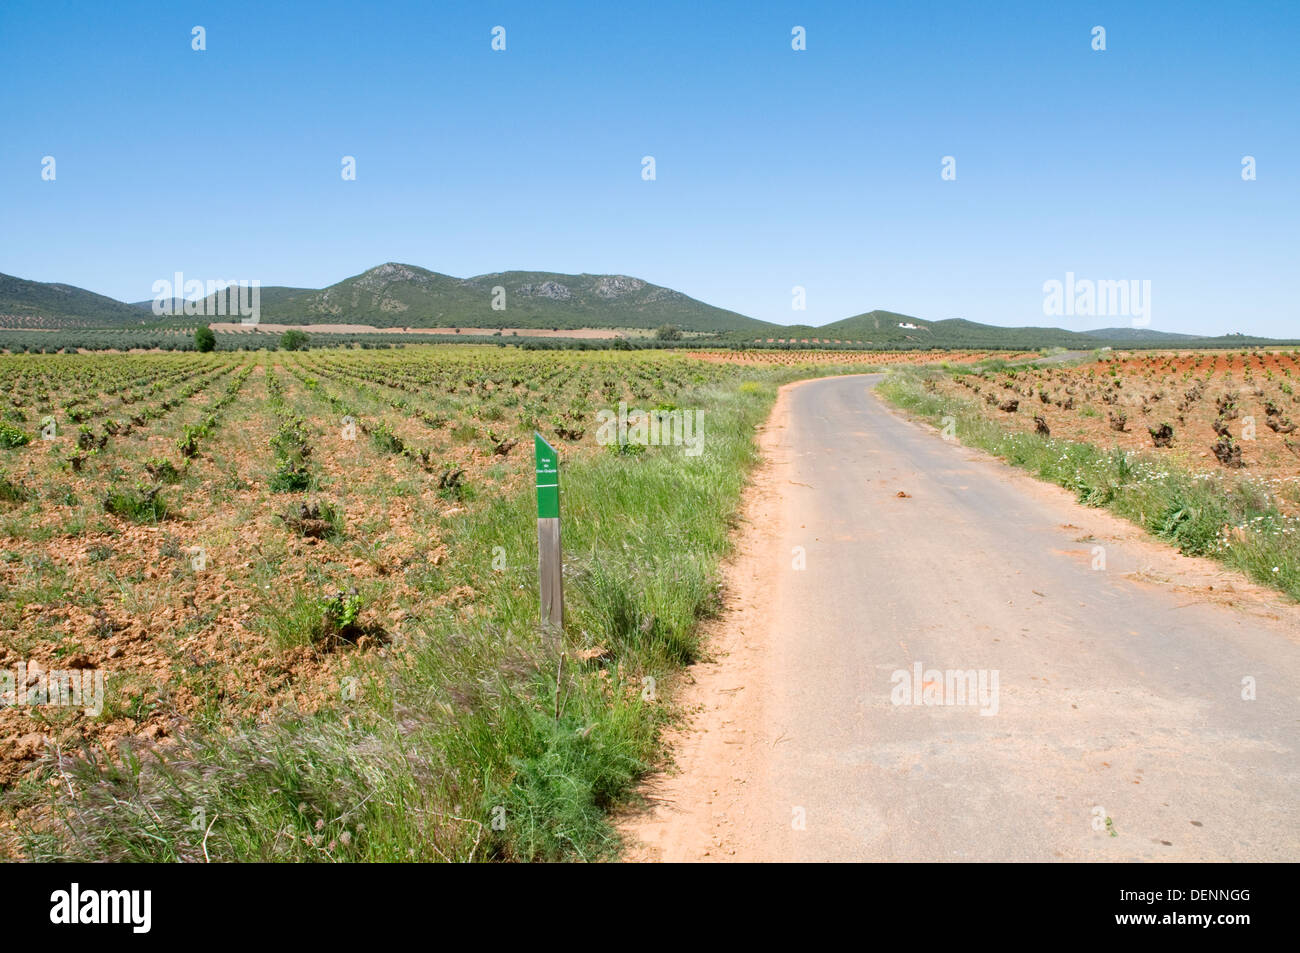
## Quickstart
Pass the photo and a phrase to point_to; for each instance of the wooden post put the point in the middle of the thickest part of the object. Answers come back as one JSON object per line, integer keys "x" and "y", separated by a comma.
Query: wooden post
{"x": 550, "y": 567}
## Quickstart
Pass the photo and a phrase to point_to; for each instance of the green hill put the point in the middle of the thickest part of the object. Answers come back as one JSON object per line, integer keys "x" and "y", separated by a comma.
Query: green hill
{"x": 270, "y": 295}
{"x": 404, "y": 296}
{"x": 889, "y": 329}
{"x": 38, "y": 304}
{"x": 397, "y": 295}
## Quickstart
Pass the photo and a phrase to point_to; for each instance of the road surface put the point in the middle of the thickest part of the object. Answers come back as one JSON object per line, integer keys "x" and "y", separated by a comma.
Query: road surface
{"x": 1118, "y": 730}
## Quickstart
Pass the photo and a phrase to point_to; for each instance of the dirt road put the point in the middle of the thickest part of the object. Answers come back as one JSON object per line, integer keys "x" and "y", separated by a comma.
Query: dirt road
{"x": 1116, "y": 728}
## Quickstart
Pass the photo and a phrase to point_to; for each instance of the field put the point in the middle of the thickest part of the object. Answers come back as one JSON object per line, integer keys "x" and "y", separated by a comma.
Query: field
{"x": 1199, "y": 448}
{"x": 1224, "y": 410}
{"x": 778, "y": 358}
{"x": 310, "y": 580}
{"x": 506, "y": 330}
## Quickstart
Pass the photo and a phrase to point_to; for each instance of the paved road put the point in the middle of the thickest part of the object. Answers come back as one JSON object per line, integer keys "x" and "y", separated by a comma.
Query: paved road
{"x": 1119, "y": 691}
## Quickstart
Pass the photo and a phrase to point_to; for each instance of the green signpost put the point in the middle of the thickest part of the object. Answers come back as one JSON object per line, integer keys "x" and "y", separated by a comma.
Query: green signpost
{"x": 548, "y": 479}
{"x": 549, "y": 562}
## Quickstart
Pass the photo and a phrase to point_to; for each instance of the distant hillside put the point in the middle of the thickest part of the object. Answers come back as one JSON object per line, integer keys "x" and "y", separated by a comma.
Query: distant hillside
{"x": 1138, "y": 335}
{"x": 37, "y": 304}
{"x": 405, "y": 296}
{"x": 888, "y": 329}
{"x": 270, "y": 294}
{"x": 396, "y": 295}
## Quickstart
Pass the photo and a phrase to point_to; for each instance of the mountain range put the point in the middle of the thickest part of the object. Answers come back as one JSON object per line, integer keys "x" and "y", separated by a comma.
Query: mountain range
{"x": 395, "y": 295}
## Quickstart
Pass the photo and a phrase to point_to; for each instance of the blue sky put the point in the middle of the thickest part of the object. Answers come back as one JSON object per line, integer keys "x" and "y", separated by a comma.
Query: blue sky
{"x": 775, "y": 168}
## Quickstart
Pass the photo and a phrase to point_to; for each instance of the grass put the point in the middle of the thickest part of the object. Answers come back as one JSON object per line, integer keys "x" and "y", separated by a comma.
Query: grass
{"x": 11, "y": 491}
{"x": 294, "y": 619}
{"x": 290, "y": 476}
{"x": 140, "y": 504}
{"x": 1190, "y": 510}
{"x": 480, "y": 736}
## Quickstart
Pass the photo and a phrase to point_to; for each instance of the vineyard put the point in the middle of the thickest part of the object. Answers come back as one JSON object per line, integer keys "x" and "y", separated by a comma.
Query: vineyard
{"x": 1200, "y": 449}
{"x": 318, "y": 569}
{"x": 779, "y": 358}
{"x": 1217, "y": 411}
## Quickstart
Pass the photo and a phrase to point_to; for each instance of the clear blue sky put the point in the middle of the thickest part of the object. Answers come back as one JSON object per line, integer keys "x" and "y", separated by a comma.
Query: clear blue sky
{"x": 775, "y": 168}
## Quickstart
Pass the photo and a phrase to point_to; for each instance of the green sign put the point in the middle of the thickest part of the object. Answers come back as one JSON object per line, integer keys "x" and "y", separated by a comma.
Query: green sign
{"x": 548, "y": 479}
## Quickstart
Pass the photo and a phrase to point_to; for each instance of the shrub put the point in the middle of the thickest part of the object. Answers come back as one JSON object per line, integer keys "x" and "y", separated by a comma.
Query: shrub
{"x": 11, "y": 492}
{"x": 294, "y": 340}
{"x": 139, "y": 504}
{"x": 11, "y": 437}
{"x": 319, "y": 520}
{"x": 340, "y": 612}
{"x": 162, "y": 470}
{"x": 290, "y": 477}
{"x": 384, "y": 439}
